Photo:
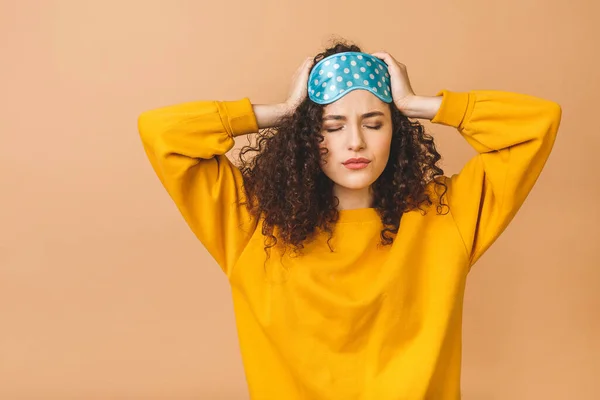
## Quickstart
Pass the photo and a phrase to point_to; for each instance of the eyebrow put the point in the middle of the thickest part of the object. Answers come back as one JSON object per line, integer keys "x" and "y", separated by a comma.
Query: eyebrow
{"x": 343, "y": 118}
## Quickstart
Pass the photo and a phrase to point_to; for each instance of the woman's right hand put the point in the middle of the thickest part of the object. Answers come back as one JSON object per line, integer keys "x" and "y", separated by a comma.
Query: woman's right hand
{"x": 299, "y": 87}
{"x": 268, "y": 115}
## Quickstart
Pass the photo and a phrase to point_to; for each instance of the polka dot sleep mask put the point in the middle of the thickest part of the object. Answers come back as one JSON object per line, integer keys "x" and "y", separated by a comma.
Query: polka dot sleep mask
{"x": 340, "y": 73}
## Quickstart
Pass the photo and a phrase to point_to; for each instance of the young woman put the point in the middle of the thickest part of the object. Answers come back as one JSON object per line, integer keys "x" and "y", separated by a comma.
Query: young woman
{"x": 345, "y": 246}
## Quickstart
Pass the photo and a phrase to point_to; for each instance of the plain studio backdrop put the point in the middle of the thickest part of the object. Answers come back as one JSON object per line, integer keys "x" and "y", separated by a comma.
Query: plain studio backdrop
{"x": 106, "y": 294}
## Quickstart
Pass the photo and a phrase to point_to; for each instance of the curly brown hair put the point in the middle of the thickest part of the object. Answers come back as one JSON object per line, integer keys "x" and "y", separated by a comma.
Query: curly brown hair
{"x": 284, "y": 182}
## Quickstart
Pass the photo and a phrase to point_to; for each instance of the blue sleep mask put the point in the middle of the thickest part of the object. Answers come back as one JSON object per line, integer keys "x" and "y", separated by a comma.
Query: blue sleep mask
{"x": 340, "y": 73}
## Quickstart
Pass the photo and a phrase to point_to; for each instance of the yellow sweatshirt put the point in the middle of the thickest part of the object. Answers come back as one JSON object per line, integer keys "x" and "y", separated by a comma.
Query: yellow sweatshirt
{"x": 366, "y": 322}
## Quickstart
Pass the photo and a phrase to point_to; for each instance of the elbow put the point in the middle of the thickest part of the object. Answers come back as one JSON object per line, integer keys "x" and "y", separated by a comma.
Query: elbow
{"x": 552, "y": 117}
{"x": 554, "y": 113}
{"x": 143, "y": 122}
{"x": 147, "y": 125}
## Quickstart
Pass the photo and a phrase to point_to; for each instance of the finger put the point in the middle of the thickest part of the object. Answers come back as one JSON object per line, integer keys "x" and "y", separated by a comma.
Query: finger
{"x": 308, "y": 63}
{"x": 301, "y": 70}
{"x": 391, "y": 62}
{"x": 303, "y": 65}
{"x": 388, "y": 58}
{"x": 379, "y": 54}
{"x": 398, "y": 63}
{"x": 383, "y": 56}
{"x": 304, "y": 68}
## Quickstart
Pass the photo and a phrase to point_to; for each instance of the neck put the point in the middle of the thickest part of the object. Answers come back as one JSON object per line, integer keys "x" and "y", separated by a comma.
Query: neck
{"x": 350, "y": 199}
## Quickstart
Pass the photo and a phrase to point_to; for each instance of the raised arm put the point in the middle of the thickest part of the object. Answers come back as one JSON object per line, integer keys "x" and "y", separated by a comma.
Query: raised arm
{"x": 186, "y": 145}
{"x": 513, "y": 135}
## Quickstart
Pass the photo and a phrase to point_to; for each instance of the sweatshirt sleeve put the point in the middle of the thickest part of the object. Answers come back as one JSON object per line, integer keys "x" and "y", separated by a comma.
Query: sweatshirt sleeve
{"x": 186, "y": 145}
{"x": 513, "y": 135}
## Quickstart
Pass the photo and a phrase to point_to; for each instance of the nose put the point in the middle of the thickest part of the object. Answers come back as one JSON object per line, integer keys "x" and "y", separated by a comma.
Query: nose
{"x": 356, "y": 139}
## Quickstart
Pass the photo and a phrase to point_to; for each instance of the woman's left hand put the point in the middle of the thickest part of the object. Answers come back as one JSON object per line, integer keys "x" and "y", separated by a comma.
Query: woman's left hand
{"x": 402, "y": 92}
{"x": 404, "y": 97}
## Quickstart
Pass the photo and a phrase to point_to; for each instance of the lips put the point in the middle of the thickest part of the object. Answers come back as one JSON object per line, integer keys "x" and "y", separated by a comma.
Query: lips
{"x": 356, "y": 163}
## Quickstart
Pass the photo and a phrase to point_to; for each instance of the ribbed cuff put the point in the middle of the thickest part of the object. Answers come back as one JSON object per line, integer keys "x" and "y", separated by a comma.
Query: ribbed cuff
{"x": 453, "y": 109}
{"x": 240, "y": 116}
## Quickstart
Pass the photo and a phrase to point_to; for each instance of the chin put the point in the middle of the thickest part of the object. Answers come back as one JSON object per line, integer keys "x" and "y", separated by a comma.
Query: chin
{"x": 354, "y": 184}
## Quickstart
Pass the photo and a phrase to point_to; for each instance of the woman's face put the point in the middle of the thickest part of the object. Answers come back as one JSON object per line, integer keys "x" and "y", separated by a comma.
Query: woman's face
{"x": 357, "y": 126}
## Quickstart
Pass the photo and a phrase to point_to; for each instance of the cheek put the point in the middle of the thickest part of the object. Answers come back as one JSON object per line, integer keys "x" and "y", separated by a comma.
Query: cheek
{"x": 381, "y": 147}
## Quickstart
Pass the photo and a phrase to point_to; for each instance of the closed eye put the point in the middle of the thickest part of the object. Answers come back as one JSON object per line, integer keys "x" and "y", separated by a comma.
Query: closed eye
{"x": 376, "y": 127}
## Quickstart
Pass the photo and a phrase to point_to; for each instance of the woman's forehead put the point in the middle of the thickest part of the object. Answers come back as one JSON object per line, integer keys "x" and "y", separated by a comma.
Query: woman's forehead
{"x": 357, "y": 102}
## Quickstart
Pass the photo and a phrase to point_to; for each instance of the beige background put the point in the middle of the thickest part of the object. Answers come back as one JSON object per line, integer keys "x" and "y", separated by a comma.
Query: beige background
{"x": 105, "y": 293}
